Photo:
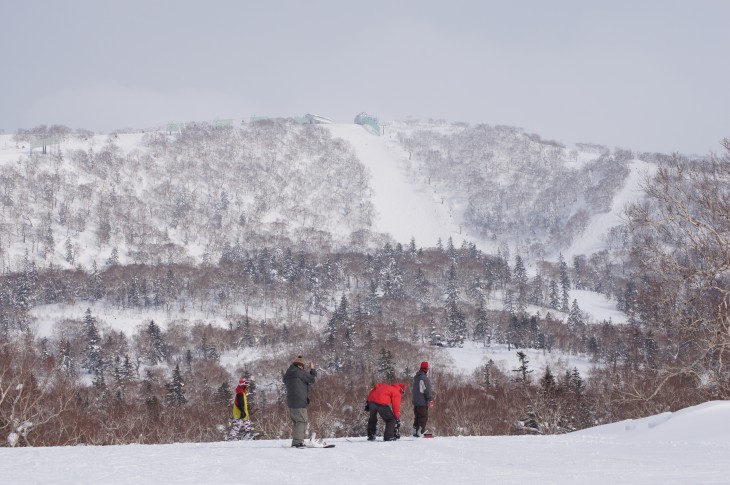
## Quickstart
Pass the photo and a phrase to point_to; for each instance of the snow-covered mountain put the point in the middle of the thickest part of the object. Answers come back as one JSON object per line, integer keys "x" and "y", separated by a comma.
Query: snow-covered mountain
{"x": 197, "y": 193}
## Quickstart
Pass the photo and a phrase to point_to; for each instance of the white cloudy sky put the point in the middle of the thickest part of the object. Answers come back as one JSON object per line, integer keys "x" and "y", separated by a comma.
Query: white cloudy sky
{"x": 646, "y": 75}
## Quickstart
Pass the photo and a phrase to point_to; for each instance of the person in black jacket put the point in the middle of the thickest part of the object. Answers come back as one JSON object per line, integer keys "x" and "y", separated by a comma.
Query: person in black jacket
{"x": 297, "y": 383}
{"x": 422, "y": 400}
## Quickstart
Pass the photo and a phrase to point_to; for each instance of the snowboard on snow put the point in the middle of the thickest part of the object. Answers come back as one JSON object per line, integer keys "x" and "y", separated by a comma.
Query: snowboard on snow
{"x": 317, "y": 443}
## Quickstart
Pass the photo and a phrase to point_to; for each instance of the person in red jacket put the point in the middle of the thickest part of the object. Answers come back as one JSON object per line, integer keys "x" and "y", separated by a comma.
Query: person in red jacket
{"x": 384, "y": 400}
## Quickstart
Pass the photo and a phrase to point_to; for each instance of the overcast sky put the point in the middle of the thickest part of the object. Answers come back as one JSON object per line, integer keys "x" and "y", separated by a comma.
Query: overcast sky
{"x": 643, "y": 75}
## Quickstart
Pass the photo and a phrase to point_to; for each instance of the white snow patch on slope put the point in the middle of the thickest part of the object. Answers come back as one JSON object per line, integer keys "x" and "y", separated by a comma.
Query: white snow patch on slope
{"x": 405, "y": 208}
{"x": 593, "y": 238}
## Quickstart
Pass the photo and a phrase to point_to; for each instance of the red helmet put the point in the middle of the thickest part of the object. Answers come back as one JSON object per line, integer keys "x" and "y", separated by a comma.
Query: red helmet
{"x": 243, "y": 382}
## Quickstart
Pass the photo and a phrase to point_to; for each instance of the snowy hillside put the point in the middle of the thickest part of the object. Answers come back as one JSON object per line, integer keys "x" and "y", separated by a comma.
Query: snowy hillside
{"x": 203, "y": 192}
{"x": 686, "y": 447}
{"x": 404, "y": 207}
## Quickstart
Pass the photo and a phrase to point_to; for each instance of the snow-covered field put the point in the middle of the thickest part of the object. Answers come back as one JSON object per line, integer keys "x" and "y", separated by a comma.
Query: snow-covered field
{"x": 686, "y": 447}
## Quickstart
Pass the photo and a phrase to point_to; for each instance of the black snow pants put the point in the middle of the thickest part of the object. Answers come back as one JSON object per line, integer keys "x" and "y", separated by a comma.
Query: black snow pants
{"x": 420, "y": 419}
{"x": 387, "y": 414}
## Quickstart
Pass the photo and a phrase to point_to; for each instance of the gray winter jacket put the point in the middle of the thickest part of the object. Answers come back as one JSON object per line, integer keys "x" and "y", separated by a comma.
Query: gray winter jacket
{"x": 422, "y": 394}
{"x": 297, "y": 386}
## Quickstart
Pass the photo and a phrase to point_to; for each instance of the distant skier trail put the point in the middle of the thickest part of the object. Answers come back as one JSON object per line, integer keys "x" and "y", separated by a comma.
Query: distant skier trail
{"x": 404, "y": 208}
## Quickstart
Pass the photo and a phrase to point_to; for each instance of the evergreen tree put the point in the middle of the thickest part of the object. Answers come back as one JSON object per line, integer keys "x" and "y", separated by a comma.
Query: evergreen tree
{"x": 99, "y": 383}
{"x": 519, "y": 274}
{"x": 223, "y": 395}
{"x": 386, "y": 365}
{"x": 175, "y": 389}
{"x": 451, "y": 250}
{"x": 113, "y": 258}
{"x": 421, "y": 289}
{"x": 207, "y": 350}
{"x": 487, "y": 372}
{"x": 456, "y": 328}
{"x": 564, "y": 284}
{"x": 579, "y": 270}
{"x": 391, "y": 280}
{"x": 67, "y": 363}
{"x": 548, "y": 383}
{"x": 523, "y": 372}
{"x": 509, "y": 304}
{"x": 339, "y": 323}
{"x": 70, "y": 256}
{"x": 554, "y": 296}
{"x": 372, "y": 302}
{"x": 481, "y": 324}
{"x": 157, "y": 351}
{"x": 412, "y": 250}
{"x": 92, "y": 360}
{"x": 536, "y": 295}
{"x": 96, "y": 289}
{"x": 575, "y": 317}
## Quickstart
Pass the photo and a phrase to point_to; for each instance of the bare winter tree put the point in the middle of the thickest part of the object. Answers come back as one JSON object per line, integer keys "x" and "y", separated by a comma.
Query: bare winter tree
{"x": 681, "y": 252}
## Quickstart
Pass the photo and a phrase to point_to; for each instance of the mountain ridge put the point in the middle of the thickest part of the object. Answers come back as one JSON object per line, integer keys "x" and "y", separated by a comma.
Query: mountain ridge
{"x": 191, "y": 196}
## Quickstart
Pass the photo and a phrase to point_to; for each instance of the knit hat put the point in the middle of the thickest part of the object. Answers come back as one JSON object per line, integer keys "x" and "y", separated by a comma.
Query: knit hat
{"x": 424, "y": 366}
{"x": 299, "y": 361}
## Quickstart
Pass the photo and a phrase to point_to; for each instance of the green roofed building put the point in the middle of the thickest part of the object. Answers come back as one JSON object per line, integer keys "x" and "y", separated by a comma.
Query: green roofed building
{"x": 366, "y": 120}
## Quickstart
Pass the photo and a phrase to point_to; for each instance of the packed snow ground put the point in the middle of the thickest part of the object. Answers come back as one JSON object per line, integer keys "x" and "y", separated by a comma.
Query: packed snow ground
{"x": 690, "y": 446}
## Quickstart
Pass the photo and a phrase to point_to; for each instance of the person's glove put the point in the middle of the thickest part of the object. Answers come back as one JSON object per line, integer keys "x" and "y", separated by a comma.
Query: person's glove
{"x": 397, "y": 428}
{"x": 367, "y": 406}
{"x": 430, "y": 404}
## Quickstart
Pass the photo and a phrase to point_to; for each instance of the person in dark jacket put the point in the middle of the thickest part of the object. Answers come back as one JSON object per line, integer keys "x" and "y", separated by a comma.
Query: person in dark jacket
{"x": 241, "y": 428}
{"x": 385, "y": 400}
{"x": 297, "y": 382}
{"x": 422, "y": 400}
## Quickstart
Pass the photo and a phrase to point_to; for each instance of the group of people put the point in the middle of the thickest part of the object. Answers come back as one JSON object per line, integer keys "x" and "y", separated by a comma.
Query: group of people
{"x": 383, "y": 400}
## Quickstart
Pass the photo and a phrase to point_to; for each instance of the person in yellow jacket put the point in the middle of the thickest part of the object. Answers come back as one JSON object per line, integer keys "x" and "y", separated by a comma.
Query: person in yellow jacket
{"x": 241, "y": 428}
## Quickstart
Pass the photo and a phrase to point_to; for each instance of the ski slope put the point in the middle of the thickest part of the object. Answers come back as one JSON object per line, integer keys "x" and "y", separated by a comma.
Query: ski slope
{"x": 405, "y": 208}
{"x": 593, "y": 237}
{"x": 686, "y": 447}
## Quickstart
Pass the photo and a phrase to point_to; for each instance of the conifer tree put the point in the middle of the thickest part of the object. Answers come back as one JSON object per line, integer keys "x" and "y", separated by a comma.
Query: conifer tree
{"x": 554, "y": 296}
{"x": 456, "y": 328}
{"x": 175, "y": 389}
{"x": 67, "y": 363}
{"x": 223, "y": 395}
{"x": 564, "y": 284}
{"x": 92, "y": 360}
{"x": 575, "y": 317}
{"x": 519, "y": 274}
{"x": 421, "y": 288}
{"x": 157, "y": 351}
{"x": 536, "y": 295}
{"x": 523, "y": 371}
{"x": 487, "y": 372}
{"x": 547, "y": 382}
{"x": 386, "y": 365}
{"x": 481, "y": 324}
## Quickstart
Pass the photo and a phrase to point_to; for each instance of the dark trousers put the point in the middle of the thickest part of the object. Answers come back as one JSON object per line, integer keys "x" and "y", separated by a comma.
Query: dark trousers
{"x": 387, "y": 414}
{"x": 420, "y": 419}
